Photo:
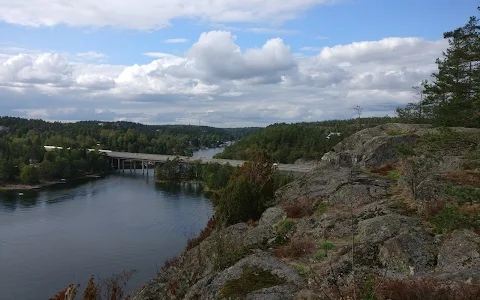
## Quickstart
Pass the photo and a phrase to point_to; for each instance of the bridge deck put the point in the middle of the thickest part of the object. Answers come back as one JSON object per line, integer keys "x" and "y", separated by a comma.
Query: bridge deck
{"x": 163, "y": 158}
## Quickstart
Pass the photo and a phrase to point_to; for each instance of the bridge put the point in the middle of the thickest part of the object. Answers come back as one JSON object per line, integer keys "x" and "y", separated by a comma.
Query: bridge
{"x": 153, "y": 159}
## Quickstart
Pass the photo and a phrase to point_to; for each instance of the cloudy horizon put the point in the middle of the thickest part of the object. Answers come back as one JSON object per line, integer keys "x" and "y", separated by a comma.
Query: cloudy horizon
{"x": 216, "y": 63}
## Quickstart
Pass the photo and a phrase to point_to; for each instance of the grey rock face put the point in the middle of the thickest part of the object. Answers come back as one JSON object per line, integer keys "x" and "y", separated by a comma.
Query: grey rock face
{"x": 210, "y": 288}
{"x": 460, "y": 252}
{"x": 410, "y": 253}
{"x": 381, "y": 228}
{"x": 271, "y": 216}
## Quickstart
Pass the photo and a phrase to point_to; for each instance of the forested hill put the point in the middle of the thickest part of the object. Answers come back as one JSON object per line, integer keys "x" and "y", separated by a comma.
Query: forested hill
{"x": 289, "y": 142}
{"x": 122, "y": 136}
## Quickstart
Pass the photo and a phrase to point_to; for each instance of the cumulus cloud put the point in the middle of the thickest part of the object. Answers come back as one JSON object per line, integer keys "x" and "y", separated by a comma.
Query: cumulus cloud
{"x": 218, "y": 83}
{"x": 131, "y": 14}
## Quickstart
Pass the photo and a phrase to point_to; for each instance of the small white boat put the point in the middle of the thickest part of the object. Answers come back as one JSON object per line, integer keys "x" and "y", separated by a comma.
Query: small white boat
{"x": 20, "y": 194}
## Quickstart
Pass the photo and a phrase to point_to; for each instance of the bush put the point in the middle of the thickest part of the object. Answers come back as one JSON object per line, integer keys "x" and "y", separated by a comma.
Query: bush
{"x": 249, "y": 192}
{"x": 222, "y": 253}
{"x": 300, "y": 208}
{"x": 464, "y": 194}
{"x": 295, "y": 248}
{"x": 450, "y": 218}
{"x": 205, "y": 233}
{"x": 286, "y": 225}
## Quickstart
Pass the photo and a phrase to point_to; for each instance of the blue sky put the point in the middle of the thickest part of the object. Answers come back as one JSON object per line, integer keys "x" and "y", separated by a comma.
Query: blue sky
{"x": 116, "y": 37}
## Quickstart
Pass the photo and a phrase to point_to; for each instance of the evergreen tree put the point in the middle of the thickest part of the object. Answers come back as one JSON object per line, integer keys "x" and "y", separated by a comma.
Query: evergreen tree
{"x": 453, "y": 95}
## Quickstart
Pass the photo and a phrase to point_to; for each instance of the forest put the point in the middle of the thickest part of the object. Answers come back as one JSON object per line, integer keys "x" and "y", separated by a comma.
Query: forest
{"x": 23, "y": 157}
{"x": 290, "y": 142}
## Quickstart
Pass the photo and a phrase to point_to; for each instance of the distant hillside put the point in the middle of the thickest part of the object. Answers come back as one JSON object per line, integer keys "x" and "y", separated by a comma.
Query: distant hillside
{"x": 289, "y": 142}
{"x": 122, "y": 136}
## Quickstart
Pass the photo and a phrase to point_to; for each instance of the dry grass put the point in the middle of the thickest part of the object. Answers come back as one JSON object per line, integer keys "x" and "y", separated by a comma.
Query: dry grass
{"x": 300, "y": 208}
{"x": 296, "y": 248}
{"x": 386, "y": 169}
{"x": 464, "y": 177}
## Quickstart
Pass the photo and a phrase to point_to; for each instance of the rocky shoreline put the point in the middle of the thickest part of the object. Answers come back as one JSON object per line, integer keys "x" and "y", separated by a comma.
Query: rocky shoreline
{"x": 346, "y": 226}
{"x": 43, "y": 184}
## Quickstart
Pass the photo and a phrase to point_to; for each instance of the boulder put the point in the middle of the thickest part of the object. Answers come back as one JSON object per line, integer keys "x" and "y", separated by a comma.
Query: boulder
{"x": 461, "y": 251}
{"x": 381, "y": 228}
{"x": 289, "y": 284}
{"x": 271, "y": 216}
{"x": 410, "y": 253}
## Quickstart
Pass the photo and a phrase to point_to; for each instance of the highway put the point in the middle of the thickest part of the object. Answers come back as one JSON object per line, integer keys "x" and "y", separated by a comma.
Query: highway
{"x": 163, "y": 158}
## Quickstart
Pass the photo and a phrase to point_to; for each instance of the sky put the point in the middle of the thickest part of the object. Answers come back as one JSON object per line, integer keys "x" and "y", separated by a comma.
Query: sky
{"x": 221, "y": 63}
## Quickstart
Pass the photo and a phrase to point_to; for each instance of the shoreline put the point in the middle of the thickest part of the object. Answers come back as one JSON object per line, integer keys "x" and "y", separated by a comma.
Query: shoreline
{"x": 44, "y": 184}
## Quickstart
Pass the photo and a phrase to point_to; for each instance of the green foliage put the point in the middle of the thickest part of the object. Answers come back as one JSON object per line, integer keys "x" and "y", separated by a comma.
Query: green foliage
{"x": 252, "y": 279}
{"x": 282, "y": 178}
{"x": 450, "y": 218}
{"x": 29, "y": 174}
{"x": 327, "y": 246}
{"x": 321, "y": 254}
{"x": 286, "y": 225}
{"x": 321, "y": 209}
{"x": 301, "y": 269}
{"x": 223, "y": 253}
{"x": 453, "y": 96}
{"x": 289, "y": 142}
{"x": 464, "y": 194}
{"x": 248, "y": 193}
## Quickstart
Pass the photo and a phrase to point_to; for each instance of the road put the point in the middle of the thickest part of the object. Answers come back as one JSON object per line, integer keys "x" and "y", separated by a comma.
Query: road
{"x": 163, "y": 158}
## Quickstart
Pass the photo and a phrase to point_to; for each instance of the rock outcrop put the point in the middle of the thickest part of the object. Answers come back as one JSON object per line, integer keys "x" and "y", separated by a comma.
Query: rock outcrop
{"x": 358, "y": 212}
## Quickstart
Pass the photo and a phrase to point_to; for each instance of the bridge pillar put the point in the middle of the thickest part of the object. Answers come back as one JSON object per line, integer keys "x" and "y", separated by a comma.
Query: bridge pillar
{"x": 143, "y": 167}
{"x": 123, "y": 166}
{"x": 148, "y": 165}
{"x": 118, "y": 164}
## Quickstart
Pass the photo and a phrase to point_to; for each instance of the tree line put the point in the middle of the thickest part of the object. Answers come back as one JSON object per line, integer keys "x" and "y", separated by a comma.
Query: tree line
{"x": 452, "y": 96}
{"x": 123, "y": 136}
{"x": 289, "y": 142}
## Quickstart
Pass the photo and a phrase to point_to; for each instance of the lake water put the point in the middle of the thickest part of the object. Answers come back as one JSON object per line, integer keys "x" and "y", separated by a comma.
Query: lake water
{"x": 65, "y": 234}
{"x": 207, "y": 153}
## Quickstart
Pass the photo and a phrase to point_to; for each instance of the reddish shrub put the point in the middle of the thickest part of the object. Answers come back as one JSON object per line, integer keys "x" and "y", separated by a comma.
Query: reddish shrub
{"x": 300, "y": 208}
{"x": 428, "y": 289}
{"x": 433, "y": 208}
{"x": 295, "y": 248}
{"x": 206, "y": 232}
{"x": 385, "y": 169}
{"x": 169, "y": 263}
{"x": 113, "y": 286}
{"x": 67, "y": 294}
{"x": 91, "y": 291}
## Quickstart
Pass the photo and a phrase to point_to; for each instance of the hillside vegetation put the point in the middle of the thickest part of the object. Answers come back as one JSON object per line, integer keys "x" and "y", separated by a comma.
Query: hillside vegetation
{"x": 288, "y": 142}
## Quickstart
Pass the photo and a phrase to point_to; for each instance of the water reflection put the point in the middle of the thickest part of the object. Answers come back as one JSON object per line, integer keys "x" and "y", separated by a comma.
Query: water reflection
{"x": 173, "y": 188}
{"x": 11, "y": 200}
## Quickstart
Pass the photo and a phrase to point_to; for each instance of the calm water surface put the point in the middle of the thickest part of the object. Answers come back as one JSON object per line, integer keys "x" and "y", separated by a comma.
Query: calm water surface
{"x": 207, "y": 153}
{"x": 64, "y": 234}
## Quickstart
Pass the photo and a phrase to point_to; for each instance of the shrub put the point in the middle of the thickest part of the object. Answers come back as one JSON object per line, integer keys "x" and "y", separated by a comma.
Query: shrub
{"x": 223, "y": 253}
{"x": 301, "y": 269}
{"x": 295, "y": 248}
{"x": 464, "y": 194}
{"x": 449, "y": 218}
{"x": 168, "y": 263}
{"x": 321, "y": 209}
{"x": 320, "y": 255}
{"x": 300, "y": 208}
{"x": 286, "y": 225}
{"x": 327, "y": 246}
{"x": 91, "y": 291}
{"x": 205, "y": 233}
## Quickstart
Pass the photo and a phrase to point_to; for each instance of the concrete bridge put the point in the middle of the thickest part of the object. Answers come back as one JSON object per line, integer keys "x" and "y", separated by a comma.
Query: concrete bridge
{"x": 148, "y": 160}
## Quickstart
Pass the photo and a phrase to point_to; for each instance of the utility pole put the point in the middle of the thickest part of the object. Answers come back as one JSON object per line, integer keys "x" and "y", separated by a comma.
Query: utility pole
{"x": 358, "y": 109}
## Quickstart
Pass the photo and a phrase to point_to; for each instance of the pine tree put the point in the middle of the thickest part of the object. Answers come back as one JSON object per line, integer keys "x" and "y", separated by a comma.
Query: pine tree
{"x": 454, "y": 93}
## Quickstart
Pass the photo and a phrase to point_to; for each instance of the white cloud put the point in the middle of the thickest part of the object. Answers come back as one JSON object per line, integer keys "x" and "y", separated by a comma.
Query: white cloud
{"x": 175, "y": 41}
{"x": 149, "y": 14}
{"x": 218, "y": 83}
{"x": 313, "y": 49}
